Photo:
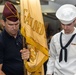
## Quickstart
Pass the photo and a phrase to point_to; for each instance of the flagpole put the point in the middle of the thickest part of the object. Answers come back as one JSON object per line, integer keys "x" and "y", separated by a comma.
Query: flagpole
{"x": 24, "y": 46}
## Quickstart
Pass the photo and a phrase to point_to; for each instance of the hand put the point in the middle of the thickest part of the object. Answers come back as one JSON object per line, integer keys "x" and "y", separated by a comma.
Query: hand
{"x": 25, "y": 53}
{"x": 2, "y": 73}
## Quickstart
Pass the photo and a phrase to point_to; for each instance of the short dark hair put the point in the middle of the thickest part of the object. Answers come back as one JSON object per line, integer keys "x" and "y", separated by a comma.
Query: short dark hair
{"x": 4, "y": 18}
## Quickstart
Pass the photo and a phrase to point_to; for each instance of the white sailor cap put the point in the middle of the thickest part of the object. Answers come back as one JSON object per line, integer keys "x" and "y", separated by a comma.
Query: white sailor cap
{"x": 66, "y": 13}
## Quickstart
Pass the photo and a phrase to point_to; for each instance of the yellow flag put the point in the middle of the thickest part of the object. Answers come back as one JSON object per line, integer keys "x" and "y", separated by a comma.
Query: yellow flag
{"x": 32, "y": 28}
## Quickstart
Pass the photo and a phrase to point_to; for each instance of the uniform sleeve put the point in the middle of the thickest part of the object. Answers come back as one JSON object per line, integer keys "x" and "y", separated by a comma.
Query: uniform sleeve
{"x": 1, "y": 53}
{"x": 52, "y": 57}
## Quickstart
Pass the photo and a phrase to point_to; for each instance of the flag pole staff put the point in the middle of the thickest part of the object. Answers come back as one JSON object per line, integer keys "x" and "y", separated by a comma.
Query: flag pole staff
{"x": 24, "y": 46}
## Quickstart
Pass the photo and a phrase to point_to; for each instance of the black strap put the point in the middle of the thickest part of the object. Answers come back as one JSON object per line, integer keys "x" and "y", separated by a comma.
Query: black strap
{"x": 64, "y": 47}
